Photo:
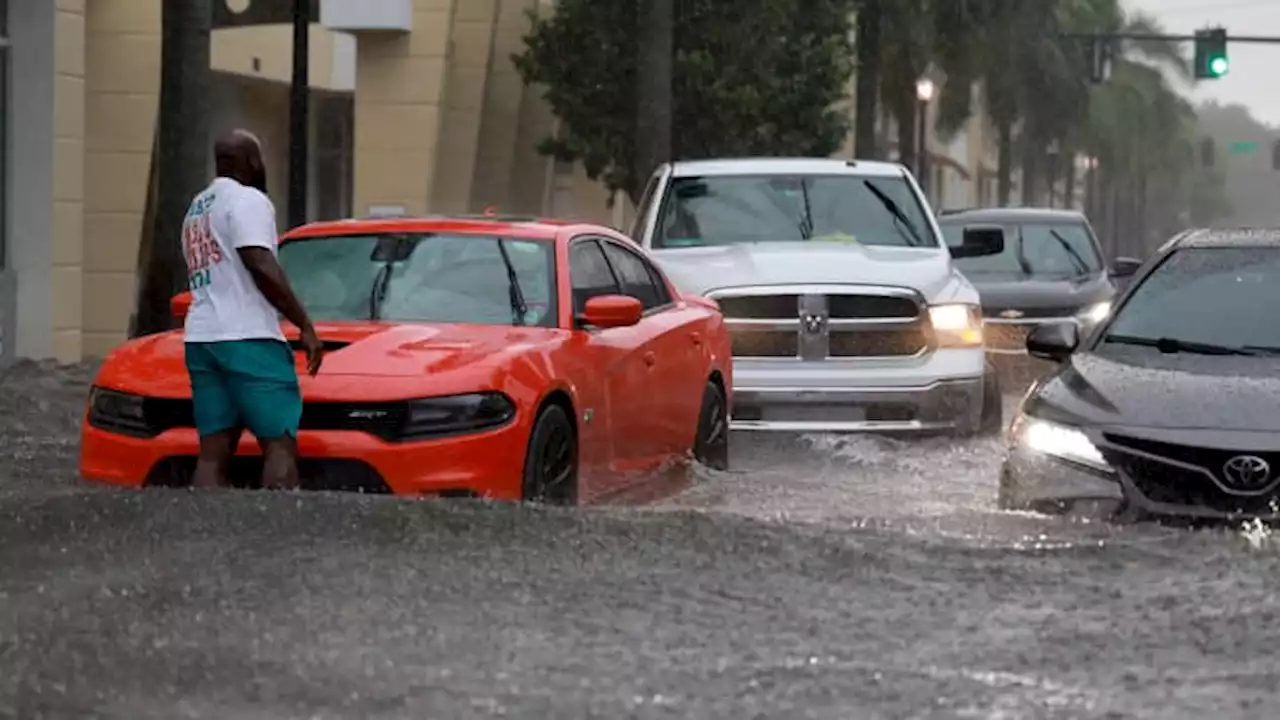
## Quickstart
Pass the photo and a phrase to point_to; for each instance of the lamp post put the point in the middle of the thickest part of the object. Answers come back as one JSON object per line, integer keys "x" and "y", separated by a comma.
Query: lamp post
{"x": 924, "y": 94}
{"x": 299, "y": 105}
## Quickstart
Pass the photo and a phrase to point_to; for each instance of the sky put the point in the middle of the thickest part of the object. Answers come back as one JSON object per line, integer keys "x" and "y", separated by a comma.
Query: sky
{"x": 1252, "y": 80}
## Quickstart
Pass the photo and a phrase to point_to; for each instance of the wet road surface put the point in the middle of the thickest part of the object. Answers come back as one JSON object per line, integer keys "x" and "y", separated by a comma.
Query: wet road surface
{"x": 822, "y": 578}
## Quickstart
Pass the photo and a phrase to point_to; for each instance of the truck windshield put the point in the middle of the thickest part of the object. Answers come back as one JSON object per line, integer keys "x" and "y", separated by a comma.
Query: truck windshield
{"x": 726, "y": 210}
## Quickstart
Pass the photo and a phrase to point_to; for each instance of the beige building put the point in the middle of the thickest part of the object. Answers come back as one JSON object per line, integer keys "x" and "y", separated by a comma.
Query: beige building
{"x": 416, "y": 106}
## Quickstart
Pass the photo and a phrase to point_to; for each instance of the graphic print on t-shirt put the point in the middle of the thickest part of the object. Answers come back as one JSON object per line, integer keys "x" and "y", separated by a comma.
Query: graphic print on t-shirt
{"x": 199, "y": 247}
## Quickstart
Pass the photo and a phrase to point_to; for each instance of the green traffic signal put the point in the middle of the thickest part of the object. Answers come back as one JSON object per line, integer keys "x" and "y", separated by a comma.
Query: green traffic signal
{"x": 1218, "y": 66}
{"x": 1211, "y": 54}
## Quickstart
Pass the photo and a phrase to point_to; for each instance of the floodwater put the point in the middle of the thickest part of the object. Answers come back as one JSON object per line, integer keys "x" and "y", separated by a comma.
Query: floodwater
{"x": 822, "y": 577}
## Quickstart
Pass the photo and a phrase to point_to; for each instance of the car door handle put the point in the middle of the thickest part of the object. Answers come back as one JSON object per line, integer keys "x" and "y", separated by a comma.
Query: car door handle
{"x": 650, "y": 359}
{"x": 697, "y": 339}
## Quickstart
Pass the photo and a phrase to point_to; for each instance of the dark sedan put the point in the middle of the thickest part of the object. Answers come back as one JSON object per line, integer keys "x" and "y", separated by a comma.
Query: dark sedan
{"x": 1173, "y": 406}
{"x": 1051, "y": 271}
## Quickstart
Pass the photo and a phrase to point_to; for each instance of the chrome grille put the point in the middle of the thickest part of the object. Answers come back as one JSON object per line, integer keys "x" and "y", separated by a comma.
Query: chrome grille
{"x": 814, "y": 323}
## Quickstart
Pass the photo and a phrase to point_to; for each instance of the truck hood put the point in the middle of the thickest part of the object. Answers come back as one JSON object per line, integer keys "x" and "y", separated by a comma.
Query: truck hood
{"x": 1003, "y": 292}
{"x": 700, "y": 270}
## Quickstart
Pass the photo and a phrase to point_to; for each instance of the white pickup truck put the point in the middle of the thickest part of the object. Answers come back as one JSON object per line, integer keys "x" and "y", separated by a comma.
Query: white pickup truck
{"x": 846, "y": 311}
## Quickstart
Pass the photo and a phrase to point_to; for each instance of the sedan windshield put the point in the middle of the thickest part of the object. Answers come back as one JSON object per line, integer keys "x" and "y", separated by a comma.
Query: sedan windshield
{"x": 1205, "y": 300}
{"x": 423, "y": 278}
{"x": 726, "y": 210}
{"x": 1048, "y": 249}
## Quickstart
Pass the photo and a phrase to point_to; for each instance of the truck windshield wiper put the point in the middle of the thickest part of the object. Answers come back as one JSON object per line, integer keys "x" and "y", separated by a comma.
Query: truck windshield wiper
{"x": 1023, "y": 262}
{"x": 806, "y": 222}
{"x": 1082, "y": 267}
{"x": 1171, "y": 346}
{"x": 913, "y": 237}
{"x": 519, "y": 309}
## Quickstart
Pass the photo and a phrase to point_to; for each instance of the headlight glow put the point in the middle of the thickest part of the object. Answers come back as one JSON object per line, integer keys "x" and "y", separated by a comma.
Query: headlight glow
{"x": 1059, "y": 441}
{"x": 957, "y": 325}
{"x": 1095, "y": 313}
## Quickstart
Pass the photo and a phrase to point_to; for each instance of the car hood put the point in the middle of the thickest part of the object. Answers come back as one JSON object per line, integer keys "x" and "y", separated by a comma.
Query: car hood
{"x": 357, "y": 356}
{"x": 700, "y": 270}
{"x": 1040, "y": 293}
{"x": 1140, "y": 388}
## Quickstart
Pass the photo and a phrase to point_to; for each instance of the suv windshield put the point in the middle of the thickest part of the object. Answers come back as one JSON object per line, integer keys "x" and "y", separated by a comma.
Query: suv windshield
{"x": 725, "y": 210}
{"x": 423, "y": 278}
{"x": 1039, "y": 249}
{"x": 1219, "y": 297}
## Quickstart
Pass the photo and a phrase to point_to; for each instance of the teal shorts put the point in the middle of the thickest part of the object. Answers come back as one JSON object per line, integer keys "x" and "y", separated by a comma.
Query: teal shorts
{"x": 238, "y": 384}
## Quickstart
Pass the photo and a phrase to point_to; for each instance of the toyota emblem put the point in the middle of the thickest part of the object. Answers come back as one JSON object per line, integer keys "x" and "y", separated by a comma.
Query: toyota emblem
{"x": 1247, "y": 472}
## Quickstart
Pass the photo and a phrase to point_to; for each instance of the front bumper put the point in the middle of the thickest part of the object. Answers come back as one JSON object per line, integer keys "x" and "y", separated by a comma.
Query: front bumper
{"x": 940, "y": 391}
{"x": 1044, "y": 484}
{"x": 487, "y": 464}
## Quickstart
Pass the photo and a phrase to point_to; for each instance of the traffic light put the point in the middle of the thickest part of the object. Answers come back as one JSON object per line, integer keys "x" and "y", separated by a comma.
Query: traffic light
{"x": 1211, "y": 54}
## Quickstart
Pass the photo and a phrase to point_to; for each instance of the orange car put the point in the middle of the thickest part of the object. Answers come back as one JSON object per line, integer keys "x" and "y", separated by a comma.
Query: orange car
{"x": 513, "y": 359}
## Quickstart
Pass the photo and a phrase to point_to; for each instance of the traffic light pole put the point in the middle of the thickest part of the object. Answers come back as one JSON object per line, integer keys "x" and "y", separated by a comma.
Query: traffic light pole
{"x": 1153, "y": 37}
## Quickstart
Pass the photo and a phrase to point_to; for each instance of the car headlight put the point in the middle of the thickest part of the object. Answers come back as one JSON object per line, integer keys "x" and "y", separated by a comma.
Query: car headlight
{"x": 957, "y": 325}
{"x": 118, "y": 412}
{"x": 1059, "y": 441}
{"x": 432, "y": 417}
{"x": 1095, "y": 313}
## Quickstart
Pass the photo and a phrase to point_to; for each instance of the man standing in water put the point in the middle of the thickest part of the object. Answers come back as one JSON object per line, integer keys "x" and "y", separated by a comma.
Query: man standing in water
{"x": 241, "y": 367}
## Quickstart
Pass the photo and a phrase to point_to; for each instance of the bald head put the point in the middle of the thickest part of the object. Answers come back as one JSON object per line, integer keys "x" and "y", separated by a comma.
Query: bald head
{"x": 238, "y": 155}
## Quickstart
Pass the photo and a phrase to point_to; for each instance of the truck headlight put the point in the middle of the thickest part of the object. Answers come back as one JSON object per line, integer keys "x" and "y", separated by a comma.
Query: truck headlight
{"x": 1095, "y": 313}
{"x": 957, "y": 325}
{"x": 1059, "y": 441}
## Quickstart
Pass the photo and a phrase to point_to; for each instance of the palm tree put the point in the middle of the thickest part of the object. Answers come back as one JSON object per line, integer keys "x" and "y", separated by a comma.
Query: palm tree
{"x": 180, "y": 158}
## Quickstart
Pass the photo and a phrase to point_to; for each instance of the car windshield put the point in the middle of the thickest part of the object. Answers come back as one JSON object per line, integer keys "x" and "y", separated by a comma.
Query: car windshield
{"x": 727, "y": 210}
{"x": 423, "y": 278}
{"x": 1213, "y": 297}
{"x": 1035, "y": 249}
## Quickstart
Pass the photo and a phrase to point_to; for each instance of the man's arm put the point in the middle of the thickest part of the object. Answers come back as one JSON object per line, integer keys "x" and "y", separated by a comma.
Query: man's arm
{"x": 253, "y": 233}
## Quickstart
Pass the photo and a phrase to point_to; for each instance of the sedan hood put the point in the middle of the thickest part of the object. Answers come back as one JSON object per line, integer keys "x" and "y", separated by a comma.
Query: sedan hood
{"x": 703, "y": 269}
{"x": 1004, "y": 292}
{"x": 1144, "y": 389}
{"x": 356, "y": 355}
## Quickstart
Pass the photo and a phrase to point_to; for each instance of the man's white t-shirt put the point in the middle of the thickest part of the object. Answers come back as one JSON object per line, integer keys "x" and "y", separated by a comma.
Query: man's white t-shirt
{"x": 226, "y": 303}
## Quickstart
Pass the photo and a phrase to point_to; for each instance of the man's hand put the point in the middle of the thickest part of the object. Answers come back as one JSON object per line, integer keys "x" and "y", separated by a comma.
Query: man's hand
{"x": 314, "y": 348}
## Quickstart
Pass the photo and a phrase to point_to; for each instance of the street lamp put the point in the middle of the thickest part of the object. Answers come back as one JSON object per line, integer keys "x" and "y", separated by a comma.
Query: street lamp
{"x": 924, "y": 94}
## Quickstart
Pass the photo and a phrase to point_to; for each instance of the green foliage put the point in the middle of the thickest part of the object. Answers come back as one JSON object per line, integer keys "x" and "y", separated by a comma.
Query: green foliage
{"x": 751, "y": 78}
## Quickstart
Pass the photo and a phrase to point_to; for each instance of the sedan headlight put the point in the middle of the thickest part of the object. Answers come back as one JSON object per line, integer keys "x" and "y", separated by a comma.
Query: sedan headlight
{"x": 1095, "y": 313}
{"x": 957, "y": 325}
{"x": 453, "y": 414}
{"x": 118, "y": 412}
{"x": 1060, "y": 441}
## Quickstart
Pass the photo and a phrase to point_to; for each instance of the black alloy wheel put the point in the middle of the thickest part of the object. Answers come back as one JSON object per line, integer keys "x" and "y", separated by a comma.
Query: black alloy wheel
{"x": 551, "y": 462}
{"x": 711, "y": 445}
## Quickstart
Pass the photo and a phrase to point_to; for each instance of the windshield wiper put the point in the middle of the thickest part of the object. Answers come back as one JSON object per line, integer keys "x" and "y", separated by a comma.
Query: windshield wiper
{"x": 1171, "y": 346}
{"x": 806, "y": 222}
{"x": 914, "y": 239}
{"x": 378, "y": 294}
{"x": 519, "y": 309}
{"x": 1023, "y": 262}
{"x": 1082, "y": 267}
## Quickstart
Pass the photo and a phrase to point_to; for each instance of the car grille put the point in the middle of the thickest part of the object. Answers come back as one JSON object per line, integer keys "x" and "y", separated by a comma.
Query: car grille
{"x": 841, "y": 324}
{"x": 1006, "y": 337}
{"x": 382, "y": 420}
{"x": 335, "y": 475}
{"x": 1191, "y": 476}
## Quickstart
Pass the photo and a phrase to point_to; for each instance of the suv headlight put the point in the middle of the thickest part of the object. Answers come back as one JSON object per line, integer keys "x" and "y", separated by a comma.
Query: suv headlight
{"x": 956, "y": 325}
{"x": 452, "y": 414}
{"x": 1063, "y": 442}
{"x": 1095, "y": 313}
{"x": 118, "y": 412}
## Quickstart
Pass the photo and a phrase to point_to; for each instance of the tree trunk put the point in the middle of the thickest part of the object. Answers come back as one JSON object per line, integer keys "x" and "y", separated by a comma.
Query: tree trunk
{"x": 1030, "y": 167}
{"x": 182, "y": 144}
{"x": 654, "y": 106}
{"x": 1004, "y": 166}
{"x": 870, "y": 21}
{"x": 1069, "y": 182}
{"x": 905, "y": 113}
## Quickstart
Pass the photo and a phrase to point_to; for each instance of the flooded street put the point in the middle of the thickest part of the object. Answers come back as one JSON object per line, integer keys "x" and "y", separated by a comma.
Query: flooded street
{"x": 821, "y": 578}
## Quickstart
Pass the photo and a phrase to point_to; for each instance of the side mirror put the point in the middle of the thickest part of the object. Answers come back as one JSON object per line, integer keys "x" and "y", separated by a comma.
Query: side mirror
{"x": 1123, "y": 267}
{"x": 611, "y": 311}
{"x": 1054, "y": 342}
{"x": 179, "y": 305}
{"x": 979, "y": 242}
